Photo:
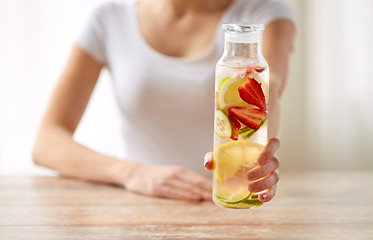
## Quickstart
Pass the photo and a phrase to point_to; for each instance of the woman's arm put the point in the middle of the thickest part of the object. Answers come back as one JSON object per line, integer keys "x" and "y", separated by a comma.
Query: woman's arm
{"x": 55, "y": 148}
{"x": 277, "y": 46}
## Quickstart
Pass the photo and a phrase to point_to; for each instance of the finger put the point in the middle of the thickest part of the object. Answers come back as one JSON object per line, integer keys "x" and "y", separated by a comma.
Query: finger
{"x": 188, "y": 187}
{"x": 175, "y": 193}
{"x": 269, "y": 150}
{"x": 196, "y": 179}
{"x": 263, "y": 170}
{"x": 264, "y": 183}
{"x": 209, "y": 161}
{"x": 267, "y": 196}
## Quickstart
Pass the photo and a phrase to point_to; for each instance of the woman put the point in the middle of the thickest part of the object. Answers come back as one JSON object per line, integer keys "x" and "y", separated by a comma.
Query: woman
{"x": 161, "y": 55}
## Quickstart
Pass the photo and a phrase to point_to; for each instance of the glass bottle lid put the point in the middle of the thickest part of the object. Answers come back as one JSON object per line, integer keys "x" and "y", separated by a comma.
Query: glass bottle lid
{"x": 243, "y": 27}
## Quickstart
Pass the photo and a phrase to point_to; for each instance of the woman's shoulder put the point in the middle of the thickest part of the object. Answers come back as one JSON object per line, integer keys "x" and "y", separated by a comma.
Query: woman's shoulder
{"x": 109, "y": 18}
{"x": 113, "y": 8}
{"x": 263, "y": 11}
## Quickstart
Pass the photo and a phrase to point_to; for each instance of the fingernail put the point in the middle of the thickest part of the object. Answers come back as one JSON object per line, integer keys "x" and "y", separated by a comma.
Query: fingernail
{"x": 264, "y": 196}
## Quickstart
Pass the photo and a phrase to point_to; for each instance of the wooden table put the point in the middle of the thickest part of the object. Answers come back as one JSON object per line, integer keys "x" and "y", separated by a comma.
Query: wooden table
{"x": 322, "y": 206}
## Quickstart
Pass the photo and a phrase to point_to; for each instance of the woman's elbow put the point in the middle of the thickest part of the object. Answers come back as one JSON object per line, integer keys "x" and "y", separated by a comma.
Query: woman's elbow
{"x": 37, "y": 153}
{"x": 42, "y": 148}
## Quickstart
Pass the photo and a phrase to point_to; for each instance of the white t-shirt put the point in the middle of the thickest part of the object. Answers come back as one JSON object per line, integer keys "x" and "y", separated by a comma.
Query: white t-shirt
{"x": 167, "y": 103}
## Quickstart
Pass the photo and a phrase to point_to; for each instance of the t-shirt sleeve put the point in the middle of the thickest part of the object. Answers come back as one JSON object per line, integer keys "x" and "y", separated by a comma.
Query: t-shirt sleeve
{"x": 92, "y": 36}
{"x": 268, "y": 11}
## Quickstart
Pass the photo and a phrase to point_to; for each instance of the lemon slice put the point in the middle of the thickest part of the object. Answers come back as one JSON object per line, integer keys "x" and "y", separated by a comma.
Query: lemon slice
{"x": 223, "y": 82}
{"x": 228, "y": 93}
{"x": 226, "y": 195}
{"x": 232, "y": 157}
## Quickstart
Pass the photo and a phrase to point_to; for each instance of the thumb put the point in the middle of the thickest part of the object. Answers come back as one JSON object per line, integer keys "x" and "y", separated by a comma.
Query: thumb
{"x": 209, "y": 161}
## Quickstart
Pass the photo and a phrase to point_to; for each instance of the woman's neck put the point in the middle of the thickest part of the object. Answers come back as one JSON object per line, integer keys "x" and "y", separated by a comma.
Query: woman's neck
{"x": 183, "y": 7}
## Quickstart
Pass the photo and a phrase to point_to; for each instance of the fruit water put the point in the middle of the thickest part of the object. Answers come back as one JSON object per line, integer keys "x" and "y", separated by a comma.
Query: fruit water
{"x": 241, "y": 114}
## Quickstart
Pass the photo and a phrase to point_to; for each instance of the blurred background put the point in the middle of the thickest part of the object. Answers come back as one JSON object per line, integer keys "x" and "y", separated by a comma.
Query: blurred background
{"x": 326, "y": 114}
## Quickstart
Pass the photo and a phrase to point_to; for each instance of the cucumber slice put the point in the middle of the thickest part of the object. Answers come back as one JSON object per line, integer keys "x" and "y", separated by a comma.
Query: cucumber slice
{"x": 254, "y": 197}
{"x": 250, "y": 199}
{"x": 247, "y": 132}
{"x": 223, "y": 126}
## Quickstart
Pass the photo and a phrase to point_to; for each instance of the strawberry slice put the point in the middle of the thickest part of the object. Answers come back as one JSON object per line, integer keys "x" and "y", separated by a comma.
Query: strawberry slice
{"x": 250, "y": 112}
{"x": 249, "y": 116}
{"x": 236, "y": 125}
{"x": 252, "y": 93}
{"x": 259, "y": 69}
{"x": 256, "y": 67}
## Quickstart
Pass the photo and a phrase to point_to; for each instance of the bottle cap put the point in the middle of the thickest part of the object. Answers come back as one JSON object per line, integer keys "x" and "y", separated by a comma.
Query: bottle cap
{"x": 243, "y": 32}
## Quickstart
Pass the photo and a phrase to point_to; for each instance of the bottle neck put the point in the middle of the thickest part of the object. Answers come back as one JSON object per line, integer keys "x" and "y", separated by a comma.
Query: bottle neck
{"x": 247, "y": 45}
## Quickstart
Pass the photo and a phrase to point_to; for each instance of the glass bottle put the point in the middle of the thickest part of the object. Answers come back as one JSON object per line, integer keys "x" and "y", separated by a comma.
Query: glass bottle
{"x": 241, "y": 109}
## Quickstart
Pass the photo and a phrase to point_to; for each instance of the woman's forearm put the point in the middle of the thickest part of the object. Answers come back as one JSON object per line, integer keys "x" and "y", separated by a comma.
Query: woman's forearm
{"x": 273, "y": 114}
{"x": 56, "y": 149}
{"x": 277, "y": 46}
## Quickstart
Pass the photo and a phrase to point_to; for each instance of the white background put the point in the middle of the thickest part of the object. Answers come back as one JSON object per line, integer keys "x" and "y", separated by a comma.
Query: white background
{"x": 326, "y": 120}
{"x": 327, "y": 113}
{"x": 36, "y": 38}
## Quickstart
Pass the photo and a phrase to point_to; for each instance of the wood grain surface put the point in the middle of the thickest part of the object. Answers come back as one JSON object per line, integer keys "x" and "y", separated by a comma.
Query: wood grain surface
{"x": 308, "y": 205}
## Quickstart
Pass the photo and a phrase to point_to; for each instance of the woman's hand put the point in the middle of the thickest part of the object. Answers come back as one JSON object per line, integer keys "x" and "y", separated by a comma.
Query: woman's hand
{"x": 169, "y": 182}
{"x": 263, "y": 178}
